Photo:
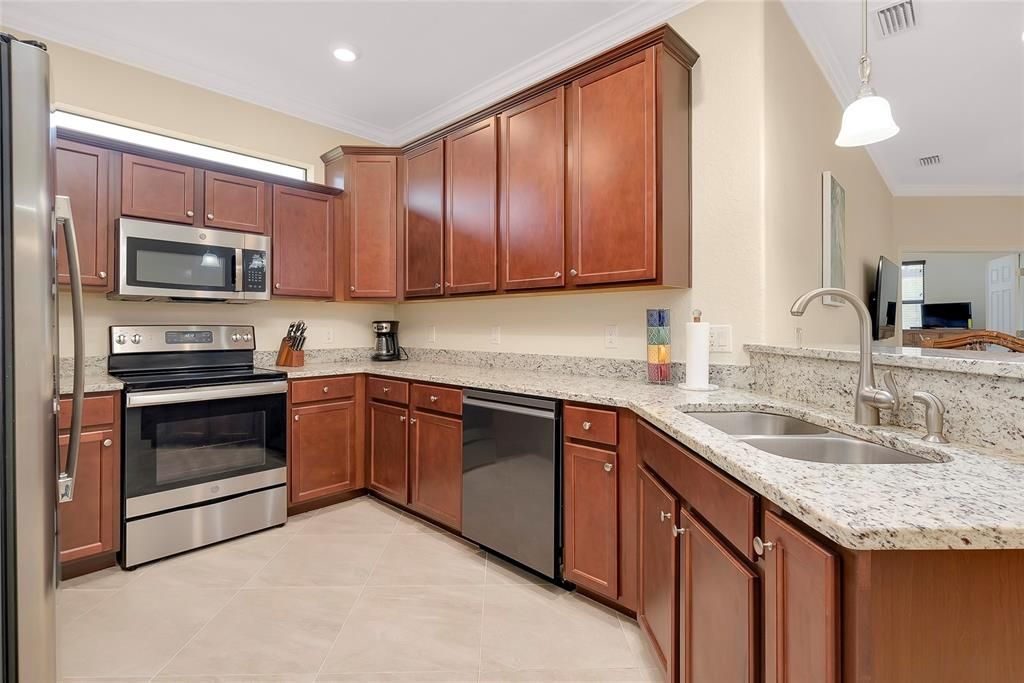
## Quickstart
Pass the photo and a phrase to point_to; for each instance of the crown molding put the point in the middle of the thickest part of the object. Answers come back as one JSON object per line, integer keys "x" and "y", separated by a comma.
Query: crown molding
{"x": 958, "y": 191}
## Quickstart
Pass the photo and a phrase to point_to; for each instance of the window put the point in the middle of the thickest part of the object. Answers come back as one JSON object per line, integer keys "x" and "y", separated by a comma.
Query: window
{"x": 63, "y": 119}
{"x": 913, "y": 293}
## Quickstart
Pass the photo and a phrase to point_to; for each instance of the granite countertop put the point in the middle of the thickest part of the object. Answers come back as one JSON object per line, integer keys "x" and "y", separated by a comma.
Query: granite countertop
{"x": 95, "y": 382}
{"x": 968, "y": 498}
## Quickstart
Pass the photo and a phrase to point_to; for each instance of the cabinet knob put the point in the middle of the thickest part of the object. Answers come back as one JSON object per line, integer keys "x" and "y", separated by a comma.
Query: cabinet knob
{"x": 277, "y": 285}
{"x": 677, "y": 532}
{"x": 437, "y": 285}
{"x": 326, "y": 390}
{"x": 761, "y": 547}
{"x": 296, "y": 418}
{"x": 401, "y": 418}
{"x": 108, "y": 443}
{"x": 351, "y": 288}
{"x": 665, "y": 516}
{"x": 412, "y": 420}
{"x": 103, "y": 274}
{"x": 433, "y": 399}
{"x": 572, "y": 271}
{"x": 607, "y": 467}
{"x": 190, "y": 213}
{"x": 558, "y": 273}
{"x": 586, "y": 426}
{"x": 386, "y": 390}
{"x": 209, "y": 216}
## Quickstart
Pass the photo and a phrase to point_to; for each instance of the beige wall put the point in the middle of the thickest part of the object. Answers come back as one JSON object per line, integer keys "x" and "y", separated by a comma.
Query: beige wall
{"x": 959, "y": 223}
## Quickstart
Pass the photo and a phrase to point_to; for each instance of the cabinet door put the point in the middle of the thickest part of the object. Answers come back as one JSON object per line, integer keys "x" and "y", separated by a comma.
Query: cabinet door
{"x": 303, "y": 244}
{"x": 373, "y": 226}
{"x": 590, "y": 482}
{"x": 83, "y": 175}
{"x": 389, "y": 449}
{"x": 89, "y": 522}
{"x": 322, "y": 457}
{"x": 235, "y": 203}
{"x": 717, "y": 610}
{"x": 532, "y": 228}
{"x": 436, "y": 467}
{"x": 157, "y": 189}
{"x": 471, "y": 237}
{"x": 800, "y": 607}
{"x": 613, "y": 171}
{"x": 424, "y": 221}
{"x": 659, "y": 584}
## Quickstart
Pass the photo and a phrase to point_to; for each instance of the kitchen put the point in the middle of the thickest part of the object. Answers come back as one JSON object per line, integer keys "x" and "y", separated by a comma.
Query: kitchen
{"x": 517, "y": 488}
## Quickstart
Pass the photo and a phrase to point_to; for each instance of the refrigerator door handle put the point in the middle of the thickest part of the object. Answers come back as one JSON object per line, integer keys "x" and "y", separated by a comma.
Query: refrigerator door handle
{"x": 66, "y": 479}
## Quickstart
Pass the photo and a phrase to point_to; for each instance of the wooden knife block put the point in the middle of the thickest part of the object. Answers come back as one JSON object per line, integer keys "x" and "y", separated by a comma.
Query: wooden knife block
{"x": 289, "y": 357}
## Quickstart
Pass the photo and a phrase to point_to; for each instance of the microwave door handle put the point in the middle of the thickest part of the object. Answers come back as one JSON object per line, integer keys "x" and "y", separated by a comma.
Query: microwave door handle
{"x": 238, "y": 270}
{"x": 66, "y": 478}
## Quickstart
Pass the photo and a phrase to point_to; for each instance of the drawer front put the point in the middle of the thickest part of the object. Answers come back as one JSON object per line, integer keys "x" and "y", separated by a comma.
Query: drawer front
{"x": 322, "y": 389}
{"x": 440, "y": 399}
{"x": 96, "y": 410}
{"x": 391, "y": 390}
{"x": 726, "y": 505}
{"x": 591, "y": 424}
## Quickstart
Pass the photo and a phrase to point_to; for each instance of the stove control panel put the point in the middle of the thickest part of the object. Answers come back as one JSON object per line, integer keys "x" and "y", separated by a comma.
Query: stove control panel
{"x": 177, "y": 338}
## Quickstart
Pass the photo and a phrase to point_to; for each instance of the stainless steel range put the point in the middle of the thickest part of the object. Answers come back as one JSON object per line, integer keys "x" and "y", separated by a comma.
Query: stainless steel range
{"x": 204, "y": 438}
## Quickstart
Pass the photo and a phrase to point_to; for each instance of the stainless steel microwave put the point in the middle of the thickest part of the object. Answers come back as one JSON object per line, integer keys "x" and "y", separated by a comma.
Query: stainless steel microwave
{"x": 163, "y": 261}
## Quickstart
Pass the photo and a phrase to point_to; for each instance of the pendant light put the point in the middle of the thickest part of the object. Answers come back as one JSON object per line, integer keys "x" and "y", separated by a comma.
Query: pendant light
{"x": 868, "y": 118}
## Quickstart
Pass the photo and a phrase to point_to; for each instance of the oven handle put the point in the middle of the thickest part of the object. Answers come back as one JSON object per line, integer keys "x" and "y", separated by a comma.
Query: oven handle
{"x": 194, "y": 394}
{"x": 239, "y": 257}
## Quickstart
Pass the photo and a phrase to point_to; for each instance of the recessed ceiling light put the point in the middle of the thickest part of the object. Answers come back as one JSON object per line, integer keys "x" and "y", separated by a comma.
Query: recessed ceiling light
{"x": 345, "y": 54}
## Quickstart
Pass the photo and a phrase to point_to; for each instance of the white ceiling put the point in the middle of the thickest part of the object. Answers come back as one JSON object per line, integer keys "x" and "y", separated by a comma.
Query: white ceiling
{"x": 955, "y": 82}
{"x": 422, "y": 64}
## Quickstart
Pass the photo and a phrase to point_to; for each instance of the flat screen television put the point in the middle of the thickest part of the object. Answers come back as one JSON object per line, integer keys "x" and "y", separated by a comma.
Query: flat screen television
{"x": 956, "y": 315}
{"x": 885, "y": 299}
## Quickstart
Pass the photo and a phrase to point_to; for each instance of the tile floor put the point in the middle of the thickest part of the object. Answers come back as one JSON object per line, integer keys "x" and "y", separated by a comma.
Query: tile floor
{"x": 356, "y": 592}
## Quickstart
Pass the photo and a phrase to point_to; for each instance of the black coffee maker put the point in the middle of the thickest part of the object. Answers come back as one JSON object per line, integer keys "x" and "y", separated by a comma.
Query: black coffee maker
{"x": 386, "y": 345}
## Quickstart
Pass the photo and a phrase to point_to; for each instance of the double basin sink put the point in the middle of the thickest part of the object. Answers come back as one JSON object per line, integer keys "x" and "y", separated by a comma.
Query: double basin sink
{"x": 790, "y": 437}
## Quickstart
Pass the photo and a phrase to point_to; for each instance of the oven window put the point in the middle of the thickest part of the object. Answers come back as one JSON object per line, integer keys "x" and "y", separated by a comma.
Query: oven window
{"x": 178, "y": 265}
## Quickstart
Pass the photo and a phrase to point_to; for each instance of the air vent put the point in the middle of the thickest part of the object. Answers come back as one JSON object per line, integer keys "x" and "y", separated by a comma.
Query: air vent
{"x": 897, "y": 18}
{"x": 932, "y": 160}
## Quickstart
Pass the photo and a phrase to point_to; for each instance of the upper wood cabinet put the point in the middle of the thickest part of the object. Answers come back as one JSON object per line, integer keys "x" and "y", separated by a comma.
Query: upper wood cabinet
{"x": 801, "y": 606}
{"x": 158, "y": 190}
{"x": 303, "y": 243}
{"x": 471, "y": 234}
{"x": 322, "y": 457}
{"x": 658, "y": 598}
{"x": 424, "y": 221}
{"x": 533, "y": 193}
{"x": 371, "y": 184}
{"x": 590, "y": 485}
{"x": 235, "y": 203}
{"x": 83, "y": 175}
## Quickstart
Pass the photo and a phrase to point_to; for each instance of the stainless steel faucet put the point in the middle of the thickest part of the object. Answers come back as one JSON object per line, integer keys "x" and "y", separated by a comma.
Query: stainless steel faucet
{"x": 934, "y": 416}
{"x": 869, "y": 397}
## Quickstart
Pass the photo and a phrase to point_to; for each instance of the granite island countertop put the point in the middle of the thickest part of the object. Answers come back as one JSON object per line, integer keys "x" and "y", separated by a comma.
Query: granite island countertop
{"x": 967, "y": 498}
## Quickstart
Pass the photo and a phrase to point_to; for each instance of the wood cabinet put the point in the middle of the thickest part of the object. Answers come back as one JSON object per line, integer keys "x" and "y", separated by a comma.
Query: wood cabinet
{"x": 801, "y": 608}
{"x": 424, "y": 221}
{"x": 389, "y": 451}
{"x": 590, "y": 502}
{"x": 533, "y": 193}
{"x": 471, "y": 192}
{"x": 658, "y": 601}
{"x": 323, "y": 450}
{"x": 235, "y": 203}
{"x": 83, "y": 175}
{"x": 303, "y": 244}
{"x": 158, "y": 190}
{"x": 435, "y": 458}
{"x": 718, "y": 625}
{"x": 371, "y": 185}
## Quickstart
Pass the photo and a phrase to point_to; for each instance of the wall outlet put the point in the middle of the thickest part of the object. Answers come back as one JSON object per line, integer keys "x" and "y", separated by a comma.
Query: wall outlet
{"x": 611, "y": 336}
{"x": 721, "y": 338}
{"x": 432, "y": 334}
{"x": 496, "y": 334}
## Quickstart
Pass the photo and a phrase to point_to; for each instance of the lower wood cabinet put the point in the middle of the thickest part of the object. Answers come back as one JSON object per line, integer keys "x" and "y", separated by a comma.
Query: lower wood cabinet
{"x": 591, "y": 511}
{"x": 658, "y": 601}
{"x": 389, "y": 451}
{"x": 436, "y": 467}
{"x": 322, "y": 457}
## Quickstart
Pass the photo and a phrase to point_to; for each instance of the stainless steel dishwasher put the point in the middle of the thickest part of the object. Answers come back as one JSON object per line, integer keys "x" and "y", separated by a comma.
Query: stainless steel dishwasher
{"x": 511, "y": 477}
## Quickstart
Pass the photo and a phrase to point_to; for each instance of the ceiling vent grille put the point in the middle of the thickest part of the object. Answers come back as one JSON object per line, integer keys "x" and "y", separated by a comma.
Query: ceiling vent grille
{"x": 930, "y": 160}
{"x": 897, "y": 18}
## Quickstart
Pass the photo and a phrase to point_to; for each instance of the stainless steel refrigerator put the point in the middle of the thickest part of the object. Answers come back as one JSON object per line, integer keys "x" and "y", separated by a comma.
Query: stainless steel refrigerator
{"x": 30, "y": 484}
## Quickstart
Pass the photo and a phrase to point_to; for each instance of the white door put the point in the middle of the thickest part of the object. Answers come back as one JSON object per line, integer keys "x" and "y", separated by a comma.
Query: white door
{"x": 1003, "y": 313}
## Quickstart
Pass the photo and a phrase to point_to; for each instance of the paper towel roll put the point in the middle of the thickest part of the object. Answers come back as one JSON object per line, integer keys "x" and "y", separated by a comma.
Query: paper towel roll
{"x": 698, "y": 355}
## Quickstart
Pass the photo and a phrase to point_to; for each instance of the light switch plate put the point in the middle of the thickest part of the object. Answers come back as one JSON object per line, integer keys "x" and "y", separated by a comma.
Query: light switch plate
{"x": 329, "y": 335}
{"x": 721, "y": 338}
{"x": 611, "y": 336}
{"x": 496, "y": 334}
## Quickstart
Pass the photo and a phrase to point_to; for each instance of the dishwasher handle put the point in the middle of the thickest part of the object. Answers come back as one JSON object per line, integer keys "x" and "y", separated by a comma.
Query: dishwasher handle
{"x": 509, "y": 408}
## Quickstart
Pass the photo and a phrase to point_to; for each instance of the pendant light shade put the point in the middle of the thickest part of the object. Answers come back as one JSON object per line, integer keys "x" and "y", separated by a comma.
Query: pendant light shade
{"x": 868, "y": 119}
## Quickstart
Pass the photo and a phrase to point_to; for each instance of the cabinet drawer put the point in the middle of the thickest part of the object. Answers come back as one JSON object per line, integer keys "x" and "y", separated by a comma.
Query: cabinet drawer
{"x": 726, "y": 505}
{"x": 591, "y": 424}
{"x": 390, "y": 390}
{"x": 440, "y": 399}
{"x": 322, "y": 389}
{"x": 96, "y": 410}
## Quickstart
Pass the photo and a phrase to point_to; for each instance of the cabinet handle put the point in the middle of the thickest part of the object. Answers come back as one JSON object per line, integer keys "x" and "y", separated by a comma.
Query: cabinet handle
{"x": 296, "y": 418}
{"x": 108, "y": 443}
{"x": 761, "y": 547}
{"x": 209, "y": 216}
{"x": 190, "y": 213}
{"x": 586, "y": 426}
{"x": 412, "y": 420}
{"x": 103, "y": 274}
{"x": 386, "y": 389}
{"x": 607, "y": 467}
{"x": 433, "y": 399}
{"x": 325, "y": 390}
{"x": 572, "y": 271}
{"x": 558, "y": 273}
{"x": 401, "y": 418}
{"x": 677, "y": 532}
{"x": 665, "y": 516}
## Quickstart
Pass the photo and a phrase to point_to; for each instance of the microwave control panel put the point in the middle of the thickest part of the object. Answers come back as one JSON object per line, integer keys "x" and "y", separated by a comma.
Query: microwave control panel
{"x": 254, "y": 270}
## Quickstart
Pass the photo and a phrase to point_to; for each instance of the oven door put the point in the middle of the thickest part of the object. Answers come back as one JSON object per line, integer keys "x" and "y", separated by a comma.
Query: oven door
{"x": 159, "y": 260}
{"x": 187, "y": 446}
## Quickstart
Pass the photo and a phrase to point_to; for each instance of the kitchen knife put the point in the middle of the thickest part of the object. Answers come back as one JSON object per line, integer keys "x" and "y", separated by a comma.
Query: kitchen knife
{"x": 291, "y": 331}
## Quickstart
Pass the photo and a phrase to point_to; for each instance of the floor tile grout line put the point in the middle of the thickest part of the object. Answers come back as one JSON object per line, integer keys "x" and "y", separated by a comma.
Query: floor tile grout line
{"x": 483, "y": 610}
